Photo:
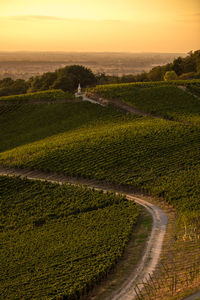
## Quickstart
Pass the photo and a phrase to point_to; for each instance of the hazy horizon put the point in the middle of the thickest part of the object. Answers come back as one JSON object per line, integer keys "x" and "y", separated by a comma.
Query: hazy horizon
{"x": 24, "y": 65}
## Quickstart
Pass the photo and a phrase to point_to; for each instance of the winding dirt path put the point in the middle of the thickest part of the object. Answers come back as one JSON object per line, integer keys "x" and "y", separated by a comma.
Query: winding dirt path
{"x": 151, "y": 255}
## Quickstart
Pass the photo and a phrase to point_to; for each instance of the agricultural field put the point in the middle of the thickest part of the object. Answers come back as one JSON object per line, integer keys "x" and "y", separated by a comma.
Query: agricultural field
{"x": 154, "y": 156}
{"x": 58, "y": 240}
{"x": 43, "y": 96}
{"x": 29, "y": 123}
{"x": 159, "y": 98}
{"x": 151, "y": 155}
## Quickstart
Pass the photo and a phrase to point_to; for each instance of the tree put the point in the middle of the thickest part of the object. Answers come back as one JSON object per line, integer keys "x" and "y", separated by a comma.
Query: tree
{"x": 10, "y": 87}
{"x": 170, "y": 75}
{"x": 47, "y": 80}
{"x": 19, "y": 86}
{"x": 35, "y": 84}
{"x": 65, "y": 83}
{"x": 6, "y": 82}
{"x": 156, "y": 74}
{"x": 79, "y": 74}
{"x": 177, "y": 65}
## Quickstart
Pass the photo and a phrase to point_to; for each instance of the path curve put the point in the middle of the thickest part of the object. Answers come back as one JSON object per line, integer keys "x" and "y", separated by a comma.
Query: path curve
{"x": 153, "y": 249}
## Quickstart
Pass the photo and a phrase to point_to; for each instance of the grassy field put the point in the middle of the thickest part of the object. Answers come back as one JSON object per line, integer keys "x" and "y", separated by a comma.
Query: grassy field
{"x": 161, "y": 99}
{"x": 58, "y": 240}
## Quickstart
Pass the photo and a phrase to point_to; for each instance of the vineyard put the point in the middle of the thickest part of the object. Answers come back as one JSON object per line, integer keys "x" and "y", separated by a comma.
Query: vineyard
{"x": 36, "y": 122}
{"x": 43, "y": 96}
{"x": 149, "y": 154}
{"x": 58, "y": 240}
{"x": 160, "y": 98}
{"x": 154, "y": 156}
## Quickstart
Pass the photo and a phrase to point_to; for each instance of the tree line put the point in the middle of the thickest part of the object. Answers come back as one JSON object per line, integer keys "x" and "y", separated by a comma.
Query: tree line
{"x": 66, "y": 79}
{"x": 69, "y": 77}
{"x": 182, "y": 68}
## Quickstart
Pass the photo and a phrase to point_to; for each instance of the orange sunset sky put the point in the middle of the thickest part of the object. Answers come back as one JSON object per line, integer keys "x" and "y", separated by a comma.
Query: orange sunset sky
{"x": 100, "y": 25}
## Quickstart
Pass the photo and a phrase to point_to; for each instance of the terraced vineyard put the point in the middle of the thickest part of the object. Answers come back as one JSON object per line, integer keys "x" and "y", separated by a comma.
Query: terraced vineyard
{"x": 58, "y": 240}
{"x": 158, "y": 98}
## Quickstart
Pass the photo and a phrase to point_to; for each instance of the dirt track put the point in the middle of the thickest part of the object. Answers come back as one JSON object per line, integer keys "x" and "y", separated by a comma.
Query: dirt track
{"x": 153, "y": 249}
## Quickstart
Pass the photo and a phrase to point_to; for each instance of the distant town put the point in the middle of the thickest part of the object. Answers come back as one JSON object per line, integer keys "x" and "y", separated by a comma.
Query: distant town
{"x": 27, "y": 64}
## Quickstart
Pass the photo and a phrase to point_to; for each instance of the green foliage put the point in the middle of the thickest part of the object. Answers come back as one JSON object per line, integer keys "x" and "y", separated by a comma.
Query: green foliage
{"x": 181, "y": 66}
{"x": 66, "y": 83}
{"x": 170, "y": 75}
{"x": 66, "y": 78}
{"x": 81, "y": 74}
{"x": 58, "y": 240}
{"x": 10, "y": 87}
{"x": 158, "y": 98}
{"x": 156, "y": 74}
{"x": 6, "y": 82}
{"x": 41, "y": 83}
{"x": 50, "y": 95}
{"x": 186, "y": 76}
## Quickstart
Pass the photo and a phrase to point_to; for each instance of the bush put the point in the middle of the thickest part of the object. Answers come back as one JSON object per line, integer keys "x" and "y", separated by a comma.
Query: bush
{"x": 170, "y": 75}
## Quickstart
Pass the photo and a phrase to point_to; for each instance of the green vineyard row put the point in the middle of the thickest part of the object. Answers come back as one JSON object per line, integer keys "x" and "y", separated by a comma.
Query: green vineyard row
{"x": 58, "y": 240}
{"x": 29, "y": 123}
{"x": 148, "y": 154}
{"x": 166, "y": 100}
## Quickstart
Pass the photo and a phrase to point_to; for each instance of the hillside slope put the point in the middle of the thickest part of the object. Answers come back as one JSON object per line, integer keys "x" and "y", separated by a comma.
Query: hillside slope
{"x": 149, "y": 155}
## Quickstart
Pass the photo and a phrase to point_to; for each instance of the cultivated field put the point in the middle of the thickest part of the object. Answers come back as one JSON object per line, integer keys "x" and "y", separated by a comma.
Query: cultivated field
{"x": 59, "y": 240}
{"x": 168, "y": 100}
{"x": 157, "y": 157}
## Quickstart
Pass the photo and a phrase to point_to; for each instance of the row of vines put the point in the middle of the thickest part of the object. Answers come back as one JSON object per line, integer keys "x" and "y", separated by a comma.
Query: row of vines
{"x": 153, "y": 156}
{"x": 160, "y": 98}
{"x": 58, "y": 241}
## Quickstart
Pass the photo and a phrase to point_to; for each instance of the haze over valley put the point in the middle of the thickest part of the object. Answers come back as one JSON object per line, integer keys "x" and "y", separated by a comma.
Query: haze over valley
{"x": 27, "y": 64}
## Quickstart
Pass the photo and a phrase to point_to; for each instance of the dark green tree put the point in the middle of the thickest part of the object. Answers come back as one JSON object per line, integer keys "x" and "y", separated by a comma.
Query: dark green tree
{"x": 65, "y": 83}
{"x": 156, "y": 74}
{"x": 79, "y": 74}
{"x": 6, "y": 82}
{"x": 35, "y": 84}
{"x": 47, "y": 80}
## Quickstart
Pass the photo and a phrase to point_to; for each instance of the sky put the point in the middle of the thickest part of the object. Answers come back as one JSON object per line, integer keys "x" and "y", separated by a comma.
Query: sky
{"x": 100, "y": 25}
